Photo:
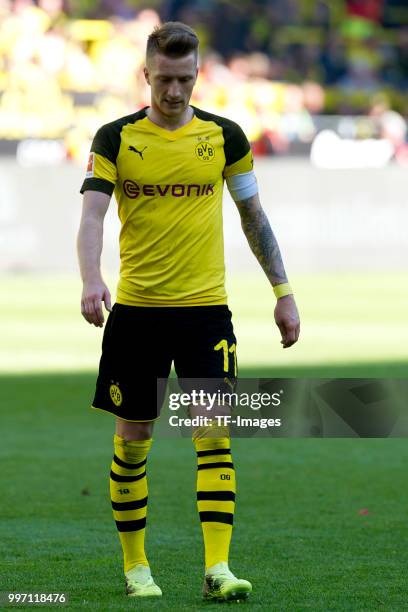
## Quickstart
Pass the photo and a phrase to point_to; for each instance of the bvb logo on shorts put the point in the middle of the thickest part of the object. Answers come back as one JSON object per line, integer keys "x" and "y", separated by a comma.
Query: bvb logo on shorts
{"x": 205, "y": 151}
{"x": 116, "y": 395}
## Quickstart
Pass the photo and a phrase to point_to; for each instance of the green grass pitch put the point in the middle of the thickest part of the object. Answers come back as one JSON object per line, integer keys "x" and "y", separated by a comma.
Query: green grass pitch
{"x": 320, "y": 524}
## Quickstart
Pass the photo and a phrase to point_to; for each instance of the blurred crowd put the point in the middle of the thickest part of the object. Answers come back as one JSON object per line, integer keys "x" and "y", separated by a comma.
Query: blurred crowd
{"x": 276, "y": 66}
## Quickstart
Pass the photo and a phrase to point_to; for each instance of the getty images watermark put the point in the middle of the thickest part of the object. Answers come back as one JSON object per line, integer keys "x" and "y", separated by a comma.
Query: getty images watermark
{"x": 285, "y": 407}
{"x": 212, "y": 402}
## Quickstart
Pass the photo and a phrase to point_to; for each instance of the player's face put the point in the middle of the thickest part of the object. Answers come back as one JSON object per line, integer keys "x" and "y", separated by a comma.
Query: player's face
{"x": 171, "y": 81}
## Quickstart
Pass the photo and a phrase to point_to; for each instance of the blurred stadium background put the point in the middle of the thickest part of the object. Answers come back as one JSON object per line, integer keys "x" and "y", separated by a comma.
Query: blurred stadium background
{"x": 321, "y": 89}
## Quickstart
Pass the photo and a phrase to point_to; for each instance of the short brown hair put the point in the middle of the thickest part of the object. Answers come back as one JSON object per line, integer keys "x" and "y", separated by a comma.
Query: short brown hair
{"x": 174, "y": 39}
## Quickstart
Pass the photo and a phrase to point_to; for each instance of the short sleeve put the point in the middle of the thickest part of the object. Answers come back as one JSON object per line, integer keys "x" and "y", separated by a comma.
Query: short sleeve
{"x": 238, "y": 154}
{"x": 101, "y": 172}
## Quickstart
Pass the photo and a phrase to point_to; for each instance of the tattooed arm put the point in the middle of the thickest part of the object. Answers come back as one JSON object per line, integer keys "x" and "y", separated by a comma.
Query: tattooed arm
{"x": 261, "y": 239}
{"x": 264, "y": 245}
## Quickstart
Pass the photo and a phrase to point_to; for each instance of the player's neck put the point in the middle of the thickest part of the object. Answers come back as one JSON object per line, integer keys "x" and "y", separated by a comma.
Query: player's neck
{"x": 170, "y": 123}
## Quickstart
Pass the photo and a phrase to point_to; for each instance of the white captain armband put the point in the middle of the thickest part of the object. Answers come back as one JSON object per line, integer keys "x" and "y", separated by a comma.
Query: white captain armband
{"x": 242, "y": 186}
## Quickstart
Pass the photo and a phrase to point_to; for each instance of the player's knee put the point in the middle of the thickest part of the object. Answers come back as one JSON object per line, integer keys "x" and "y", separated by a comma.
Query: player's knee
{"x": 134, "y": 431}
{"x": 216, "y": 435}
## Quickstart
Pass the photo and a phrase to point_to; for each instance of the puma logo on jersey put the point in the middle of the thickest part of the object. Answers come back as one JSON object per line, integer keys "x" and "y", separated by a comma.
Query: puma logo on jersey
{"x": 132, "y": 148}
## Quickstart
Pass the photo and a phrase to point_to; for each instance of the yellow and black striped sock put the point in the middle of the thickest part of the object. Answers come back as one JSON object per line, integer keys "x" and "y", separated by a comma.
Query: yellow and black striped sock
{"x": 128, "y": 489}
{"x": 215, "y": 491}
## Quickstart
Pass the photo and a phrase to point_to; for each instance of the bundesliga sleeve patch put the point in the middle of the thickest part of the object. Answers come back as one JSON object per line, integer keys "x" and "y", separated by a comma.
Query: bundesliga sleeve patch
{"x": 90, "y": 167}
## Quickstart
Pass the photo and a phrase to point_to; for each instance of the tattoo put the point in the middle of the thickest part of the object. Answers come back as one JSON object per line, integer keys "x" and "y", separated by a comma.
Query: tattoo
{"x": 261, "y": 239}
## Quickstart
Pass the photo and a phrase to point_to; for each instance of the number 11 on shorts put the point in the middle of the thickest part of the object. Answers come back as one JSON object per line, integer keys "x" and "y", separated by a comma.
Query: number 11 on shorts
{"x": 223, "y": 344}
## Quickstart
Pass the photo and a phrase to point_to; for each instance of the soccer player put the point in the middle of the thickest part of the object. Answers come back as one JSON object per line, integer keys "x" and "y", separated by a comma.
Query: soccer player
{"x": 167, "y": 164}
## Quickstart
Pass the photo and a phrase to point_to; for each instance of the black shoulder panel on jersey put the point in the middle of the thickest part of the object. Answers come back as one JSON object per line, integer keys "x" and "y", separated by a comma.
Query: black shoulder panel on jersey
{"x": 236, "y": 144}
{"x": 107, "y": 139}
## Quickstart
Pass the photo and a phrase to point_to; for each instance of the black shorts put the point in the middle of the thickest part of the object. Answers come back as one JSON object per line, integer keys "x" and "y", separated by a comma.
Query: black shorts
{"x": 140, "y": 344}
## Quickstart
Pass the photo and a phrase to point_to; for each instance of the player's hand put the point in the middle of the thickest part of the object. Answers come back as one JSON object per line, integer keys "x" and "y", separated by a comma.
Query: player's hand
{"x": 287, "y": 319}
{"x": 93, "y": 294}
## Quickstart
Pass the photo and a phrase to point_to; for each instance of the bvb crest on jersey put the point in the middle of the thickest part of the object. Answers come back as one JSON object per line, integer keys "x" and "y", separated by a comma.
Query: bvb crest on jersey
{"x": 205, "y": 151}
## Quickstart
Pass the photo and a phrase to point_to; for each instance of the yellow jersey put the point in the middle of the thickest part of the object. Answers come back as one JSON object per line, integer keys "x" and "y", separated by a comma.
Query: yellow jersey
{"x": 169, "y": 187}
